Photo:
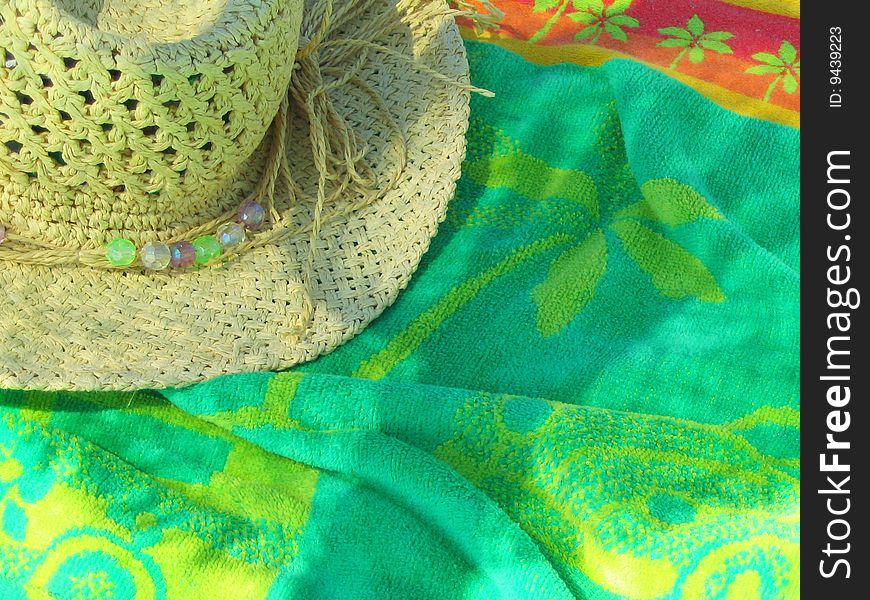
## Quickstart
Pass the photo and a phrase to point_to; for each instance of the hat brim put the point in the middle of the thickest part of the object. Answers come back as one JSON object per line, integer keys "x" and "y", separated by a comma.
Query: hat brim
{"x": 88, "y": 329}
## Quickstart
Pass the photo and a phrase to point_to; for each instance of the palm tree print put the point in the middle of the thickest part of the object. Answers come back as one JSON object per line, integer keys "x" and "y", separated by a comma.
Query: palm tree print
{"x": 593, "y": 14}
{"x": 641, "y": 227}
{"x": 595, "y": 221}
{"x": 693, "y": 41}
{"x": 784, "y": 65}
{"x": 600, "y": 19}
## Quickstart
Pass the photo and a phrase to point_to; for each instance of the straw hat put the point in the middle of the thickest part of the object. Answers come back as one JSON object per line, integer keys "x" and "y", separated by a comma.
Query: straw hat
{"x": 299, "y": 154}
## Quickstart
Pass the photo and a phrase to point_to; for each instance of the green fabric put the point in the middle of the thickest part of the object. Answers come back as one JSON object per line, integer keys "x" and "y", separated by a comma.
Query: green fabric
{"x": 589, "y": 389}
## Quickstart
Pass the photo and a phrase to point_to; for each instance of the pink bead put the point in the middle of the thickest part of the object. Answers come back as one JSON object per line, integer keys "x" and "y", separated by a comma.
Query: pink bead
{"x": 251, "y": 214}
{"x": 182, "y": 255}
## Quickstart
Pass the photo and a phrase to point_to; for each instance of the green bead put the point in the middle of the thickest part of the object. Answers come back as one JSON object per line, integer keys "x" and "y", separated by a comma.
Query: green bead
{"x": 207, "y": 248}
{"x": 120, "y": 252}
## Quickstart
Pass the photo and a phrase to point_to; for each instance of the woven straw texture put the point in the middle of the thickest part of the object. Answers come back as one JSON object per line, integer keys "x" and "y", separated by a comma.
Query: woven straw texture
{"x": 169, "y": 134}
{"x": 111, "y": 130}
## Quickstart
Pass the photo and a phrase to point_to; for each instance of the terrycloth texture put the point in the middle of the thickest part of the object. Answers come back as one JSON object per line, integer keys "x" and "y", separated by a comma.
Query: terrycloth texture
{"x": 589, "y": 390}
{"x": 743, "y": 54}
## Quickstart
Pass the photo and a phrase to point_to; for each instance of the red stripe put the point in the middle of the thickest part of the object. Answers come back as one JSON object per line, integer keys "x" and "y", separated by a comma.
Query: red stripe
{"x": 754, "y": 31}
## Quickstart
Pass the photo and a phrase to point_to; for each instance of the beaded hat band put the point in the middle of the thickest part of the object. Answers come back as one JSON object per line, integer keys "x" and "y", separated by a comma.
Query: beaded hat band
{"x": 303, "y": 178}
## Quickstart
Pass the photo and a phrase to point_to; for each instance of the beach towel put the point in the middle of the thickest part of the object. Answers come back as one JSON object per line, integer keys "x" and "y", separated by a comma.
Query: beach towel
{"x": 588, "y": 390}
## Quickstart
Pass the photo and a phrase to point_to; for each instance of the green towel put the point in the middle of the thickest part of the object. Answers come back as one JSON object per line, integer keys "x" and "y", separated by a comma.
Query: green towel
{"x": 589, "y": 389}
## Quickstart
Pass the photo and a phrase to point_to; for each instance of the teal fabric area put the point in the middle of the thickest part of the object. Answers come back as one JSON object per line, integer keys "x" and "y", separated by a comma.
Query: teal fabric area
{"x": 588, "y": 390}
{"x": 631, "y": 348}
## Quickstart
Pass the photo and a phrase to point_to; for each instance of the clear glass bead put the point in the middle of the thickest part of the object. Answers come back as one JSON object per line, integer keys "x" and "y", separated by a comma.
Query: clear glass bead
{"x": 230, "y": 234}
{"x": 155, "y": 255}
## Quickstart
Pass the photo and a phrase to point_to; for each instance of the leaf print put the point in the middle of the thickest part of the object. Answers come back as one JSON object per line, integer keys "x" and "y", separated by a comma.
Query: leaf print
{"x": 675, "y": 32}
{"x": 587, "y": 32}
{"x": 694, "y": 41}
{"x": 763, "y": 69}
{"x": 787, "y": 52}
{"x": 583, "y": 17}
{"x": 615, "y": 32}
{"x": 619, "y": 6}
{"x": 716, "y": 46}
{"x": 719, "y": 36}
{"x": 570, "y": 284}
{"x": 695, "y": 26}
{"x": 785, "y": 65}
{"x": 674, "y": 271}
{"x": 624, "y": 21}
{"x": 672, "y": 43}
{"x": 767, "y": 57}
{"x": 671, "y": 203}
{"x": 533, "y": 178}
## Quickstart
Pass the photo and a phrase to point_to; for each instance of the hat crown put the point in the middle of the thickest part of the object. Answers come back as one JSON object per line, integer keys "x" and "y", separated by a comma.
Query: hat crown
{"x": 133, "y": 117}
